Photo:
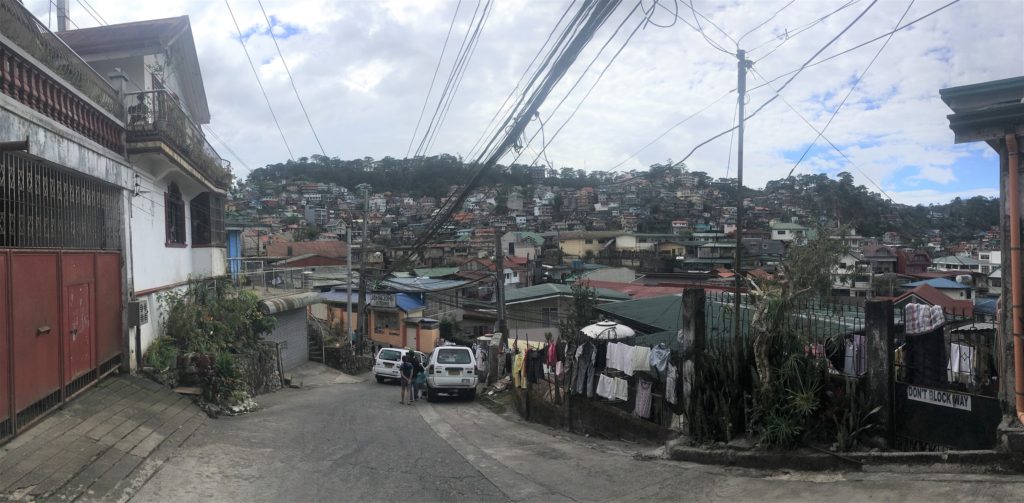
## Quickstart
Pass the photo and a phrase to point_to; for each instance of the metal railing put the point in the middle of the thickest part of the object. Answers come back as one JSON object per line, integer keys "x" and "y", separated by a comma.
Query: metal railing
{"x": 158, "y": 114}
{"x": 22, "y": 28}
{"x": 274, "y": 280}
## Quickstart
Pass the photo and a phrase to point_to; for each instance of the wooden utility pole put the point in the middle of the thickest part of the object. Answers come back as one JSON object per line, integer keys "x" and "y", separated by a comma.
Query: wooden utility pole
{"x": 499, "y": 302}
{"x": 741, "y": 88}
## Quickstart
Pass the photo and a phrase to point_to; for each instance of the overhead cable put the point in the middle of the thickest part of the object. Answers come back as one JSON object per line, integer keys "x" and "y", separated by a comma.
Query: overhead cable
{"x": 270, "y": 28}
{"x": 241, "y": 40}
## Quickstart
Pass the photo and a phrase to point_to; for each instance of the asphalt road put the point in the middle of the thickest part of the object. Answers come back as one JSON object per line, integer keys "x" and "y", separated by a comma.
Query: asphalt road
{"x": 354, "y": 442}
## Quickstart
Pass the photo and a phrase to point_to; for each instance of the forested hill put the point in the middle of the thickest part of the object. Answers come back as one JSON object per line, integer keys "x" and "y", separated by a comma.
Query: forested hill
{"x": 836, "y": 199}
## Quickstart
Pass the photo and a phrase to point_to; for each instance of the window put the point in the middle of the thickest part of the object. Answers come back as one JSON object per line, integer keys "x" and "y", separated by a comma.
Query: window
{"x": 174, "y": 217}
{"x": 456, "y": 356}
{"x": 781, "y": 233}
{"x": 384, "y": 321}
{"x": 589, "y": 241}
{"x": 549, "y": 316}
{"x": 208, "y": 220}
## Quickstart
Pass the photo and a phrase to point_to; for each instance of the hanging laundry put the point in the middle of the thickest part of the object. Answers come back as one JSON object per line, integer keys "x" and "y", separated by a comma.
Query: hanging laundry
{"x": 961, "y": 363}
{"x": 671, "y": 376}
{"x": 921, "y": 318}
{"x": 605, "y": 387}
{"x": 855, "y": 360}
{"x": 601, "y": 357}
{"x": 641, "y": 359}
{"x": 584, "y": 383}
{"x": 621, "y": 388}
{"x": 552, "y": 354}
{"x": 642, "y": 407}
{"x": 659, "y": 359}
{"x": 518, "y": 372}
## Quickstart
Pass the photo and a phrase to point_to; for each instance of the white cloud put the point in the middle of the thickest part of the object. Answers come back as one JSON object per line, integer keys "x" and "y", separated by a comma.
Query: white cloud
{"x": 363, "y": 69}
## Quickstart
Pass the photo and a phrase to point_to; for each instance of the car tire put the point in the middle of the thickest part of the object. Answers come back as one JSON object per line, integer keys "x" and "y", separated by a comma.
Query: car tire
{"x": 380, "y": 379}
{"x": 470, "y": 395}
{"x": 431, "y": 395}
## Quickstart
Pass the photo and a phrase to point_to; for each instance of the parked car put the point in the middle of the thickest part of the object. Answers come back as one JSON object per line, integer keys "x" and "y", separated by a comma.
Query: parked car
{"x": 388, "y": 362}
{"x": 452, "y": 371}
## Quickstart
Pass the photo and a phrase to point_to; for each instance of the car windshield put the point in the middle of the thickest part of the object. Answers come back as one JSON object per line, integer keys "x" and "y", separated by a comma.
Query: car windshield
{"x": 453, "y": 356}
{"x": 389, "y": 355}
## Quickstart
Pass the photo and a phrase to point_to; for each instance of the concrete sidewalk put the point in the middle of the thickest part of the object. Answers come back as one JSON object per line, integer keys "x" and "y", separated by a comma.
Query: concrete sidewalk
{"x": 102, "y": 446}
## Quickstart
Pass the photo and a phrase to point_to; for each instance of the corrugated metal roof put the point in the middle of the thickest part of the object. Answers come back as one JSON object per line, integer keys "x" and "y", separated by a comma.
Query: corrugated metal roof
{"x": 544, "y": 290}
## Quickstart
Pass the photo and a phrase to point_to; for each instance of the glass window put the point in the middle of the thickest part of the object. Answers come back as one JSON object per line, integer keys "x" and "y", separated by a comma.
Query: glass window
{"x": 549, "y": 316}
{"x": 391, "y": 355}
{"x": 453, "y": 356}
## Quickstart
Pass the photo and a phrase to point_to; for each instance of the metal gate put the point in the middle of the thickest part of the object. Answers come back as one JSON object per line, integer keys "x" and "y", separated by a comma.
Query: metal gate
{"x": 60, "y": 287}
{"x": 946, "y": 387}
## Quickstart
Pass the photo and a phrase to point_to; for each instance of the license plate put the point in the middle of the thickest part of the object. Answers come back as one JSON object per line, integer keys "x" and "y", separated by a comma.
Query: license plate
{"x": 389, "y": 365}
{"x": 465, "y": 381}
{"x": 454, "y": 372}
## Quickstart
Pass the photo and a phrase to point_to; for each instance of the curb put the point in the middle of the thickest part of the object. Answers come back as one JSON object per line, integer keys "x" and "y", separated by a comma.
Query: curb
{"x": 989, "y": 461}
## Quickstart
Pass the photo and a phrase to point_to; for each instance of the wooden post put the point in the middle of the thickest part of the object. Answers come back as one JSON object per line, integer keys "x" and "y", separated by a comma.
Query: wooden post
{"x": 692, "y": 339}
{"x": 879, "y": 329}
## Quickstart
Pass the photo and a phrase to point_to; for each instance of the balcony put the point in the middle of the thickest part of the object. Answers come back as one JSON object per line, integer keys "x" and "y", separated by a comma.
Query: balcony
{"x": 40, "y": 71}
{"x": 158, "y": 116}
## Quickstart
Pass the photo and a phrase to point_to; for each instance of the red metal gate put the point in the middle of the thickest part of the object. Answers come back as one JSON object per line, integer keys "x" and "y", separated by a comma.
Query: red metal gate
{"x": 60, "y": 287}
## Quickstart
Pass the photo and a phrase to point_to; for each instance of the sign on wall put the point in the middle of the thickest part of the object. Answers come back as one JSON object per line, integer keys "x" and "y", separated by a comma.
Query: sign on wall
{"x": 383, "y": 300}
{"x": 939, "y": 397}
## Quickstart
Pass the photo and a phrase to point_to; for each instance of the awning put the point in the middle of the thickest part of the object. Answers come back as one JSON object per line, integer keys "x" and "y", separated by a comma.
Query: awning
{"x": 289, "y": 302}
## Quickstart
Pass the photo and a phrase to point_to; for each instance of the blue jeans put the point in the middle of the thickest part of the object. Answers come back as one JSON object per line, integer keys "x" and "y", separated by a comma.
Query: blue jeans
{"x": 412, "y": 386}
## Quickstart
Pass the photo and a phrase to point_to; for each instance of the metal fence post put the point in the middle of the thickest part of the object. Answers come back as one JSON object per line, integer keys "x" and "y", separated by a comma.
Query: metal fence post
{"x": 879, "y": 328}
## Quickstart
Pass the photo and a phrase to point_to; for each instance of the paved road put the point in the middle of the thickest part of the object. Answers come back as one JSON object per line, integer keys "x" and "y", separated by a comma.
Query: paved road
{"x": 354, "y": 442}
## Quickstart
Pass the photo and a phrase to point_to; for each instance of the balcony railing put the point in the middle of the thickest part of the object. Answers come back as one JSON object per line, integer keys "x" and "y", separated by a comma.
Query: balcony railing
{"x": 157, "y": 115}
{"x": 25, "y": 40}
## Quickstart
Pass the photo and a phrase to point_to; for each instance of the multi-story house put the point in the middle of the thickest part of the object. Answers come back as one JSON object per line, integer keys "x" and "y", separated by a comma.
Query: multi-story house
{"x": 116, "y": 171}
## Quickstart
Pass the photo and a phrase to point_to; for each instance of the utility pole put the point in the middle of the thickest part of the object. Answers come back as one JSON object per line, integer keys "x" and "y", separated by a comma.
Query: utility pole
{"x": 363, "y": 250}
{"x": 348, "y": 281}
{"x": 62, "y": 15}
{"x": 499, "y": 301}
{"x": 741, "y": 88}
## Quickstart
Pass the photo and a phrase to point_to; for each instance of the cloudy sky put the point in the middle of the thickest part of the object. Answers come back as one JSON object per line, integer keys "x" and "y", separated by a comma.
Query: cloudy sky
{"x": 363, "y": 70}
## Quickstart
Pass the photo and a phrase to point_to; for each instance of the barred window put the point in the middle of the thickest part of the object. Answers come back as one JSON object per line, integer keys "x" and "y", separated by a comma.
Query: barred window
{"x": 174, "y": 214}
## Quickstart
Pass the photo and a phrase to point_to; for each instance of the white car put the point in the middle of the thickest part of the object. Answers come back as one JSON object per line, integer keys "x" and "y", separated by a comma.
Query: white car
{"x": 452, "y": 371}
{"x": 388, "y": 363}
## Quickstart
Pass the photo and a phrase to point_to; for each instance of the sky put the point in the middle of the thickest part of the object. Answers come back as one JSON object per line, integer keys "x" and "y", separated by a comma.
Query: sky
{"x": 363, "y": 70}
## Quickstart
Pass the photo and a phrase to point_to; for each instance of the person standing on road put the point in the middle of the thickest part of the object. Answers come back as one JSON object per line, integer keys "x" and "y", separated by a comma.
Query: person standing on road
{"x": 405, "y": 377}
{"x": 417, "y": 371}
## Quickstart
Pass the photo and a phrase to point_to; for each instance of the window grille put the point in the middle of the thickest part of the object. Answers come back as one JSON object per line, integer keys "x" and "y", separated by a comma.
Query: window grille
{"x": 43, "y": 205}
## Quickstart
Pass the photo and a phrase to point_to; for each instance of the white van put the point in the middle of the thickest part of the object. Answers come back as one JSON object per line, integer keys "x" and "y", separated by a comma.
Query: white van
{"x": 388, "y": 363}
{"x": 452, "y": 370}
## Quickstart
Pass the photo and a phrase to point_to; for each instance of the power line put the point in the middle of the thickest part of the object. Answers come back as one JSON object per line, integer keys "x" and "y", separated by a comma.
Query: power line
{"x": 228, "y": 147}
{"x": 430, "y": 89}
{"x": 596, "y": 81}
{"x": 67, "y": 15}
{"x": 789, "y": 36}
{"x": 848, "y": 93}
{"x": 793, "y": 76}
{"x": 766, "y": 21}
{"x": 862, "y": 44}
{"x": 821, "y": 134}
{"x": 700, "y": 29}
{"x": 471, "y": 50}
{"x": 270, "y": 28}
{"x": 728, "y": 162}
{"x": 241, "y": 40}
{"x": 94, "y": 16}
{"x": 670, "y": 129}
{"x": 488, "y": 129}
{"x": 450, "y": 88}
